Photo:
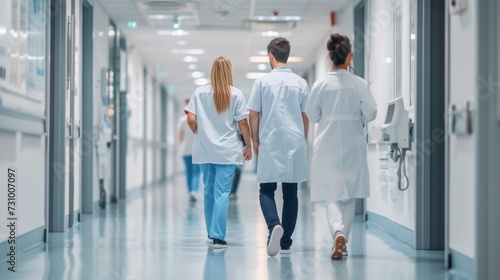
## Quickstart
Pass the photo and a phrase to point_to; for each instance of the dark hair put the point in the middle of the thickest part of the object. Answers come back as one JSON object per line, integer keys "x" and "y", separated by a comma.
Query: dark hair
{"x": 280, "y": 48}
{"x": 339, "y": 47}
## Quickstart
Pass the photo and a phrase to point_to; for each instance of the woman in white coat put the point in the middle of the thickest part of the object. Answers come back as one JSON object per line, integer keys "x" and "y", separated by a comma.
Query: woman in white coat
{"x": 342, "y": 104}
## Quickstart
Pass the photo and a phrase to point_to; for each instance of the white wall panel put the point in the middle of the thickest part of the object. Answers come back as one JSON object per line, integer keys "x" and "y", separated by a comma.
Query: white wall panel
{"x": 101, "y": 61}
{"x": 463, "y": 74}
{"x": 135, "y": 99}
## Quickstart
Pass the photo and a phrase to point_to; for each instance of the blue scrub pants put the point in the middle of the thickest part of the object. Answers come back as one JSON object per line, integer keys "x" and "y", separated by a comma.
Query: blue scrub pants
{"x": 192, "y": 174}
{"x": 290, "y": 209}
{"x": 217, "y": 179}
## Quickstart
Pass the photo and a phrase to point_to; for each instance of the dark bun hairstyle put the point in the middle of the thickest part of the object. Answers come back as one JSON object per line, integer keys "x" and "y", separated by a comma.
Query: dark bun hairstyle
{"x": 339, "y": 47}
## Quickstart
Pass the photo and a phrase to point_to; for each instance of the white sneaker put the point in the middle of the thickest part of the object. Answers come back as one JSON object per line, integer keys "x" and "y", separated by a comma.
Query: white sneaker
{"x": 273, "y": 245}
{"x": 338, "y": 245}
{"x": 344, "y": 251}
{"x": 285, "y": 251}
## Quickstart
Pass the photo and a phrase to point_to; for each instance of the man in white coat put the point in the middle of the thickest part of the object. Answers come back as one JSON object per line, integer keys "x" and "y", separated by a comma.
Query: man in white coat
{"x": 278, "y": 126}
{"x": 342, "y": 104}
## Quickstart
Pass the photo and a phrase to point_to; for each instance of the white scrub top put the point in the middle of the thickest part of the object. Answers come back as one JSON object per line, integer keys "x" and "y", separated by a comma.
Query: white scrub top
{"x": 281, "y": 96}
{"x": 341, "y": 103}
{"x": 188, "y": 136}
{"x": 216, "y": 139}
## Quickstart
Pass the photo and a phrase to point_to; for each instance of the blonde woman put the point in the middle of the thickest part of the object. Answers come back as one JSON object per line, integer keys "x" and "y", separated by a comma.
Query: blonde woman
{"x": 215, "y": 112}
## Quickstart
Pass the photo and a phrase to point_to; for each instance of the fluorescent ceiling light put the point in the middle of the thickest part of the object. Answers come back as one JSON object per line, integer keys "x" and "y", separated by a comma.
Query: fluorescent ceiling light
{"x": 262, "y": 67}
{"x": 190, "y": 59}
{"x": 201, "y": 81}
{"x": 188, "y": 51}
{"x": 169, "y": 17}
{"x": 3, "y": 30}
{"x": 254, "y": 75}
{"x": 197, "y": 74}
{"x": 270, "y": 33}
{"x": 192, "y": 66}
{"x": 179, "y": 32}
{"x": 280, "y": 19}
{"x": 263, "y": 53}
{"x": 160, "y": 17}
{"x": 263, "y": 59}
{"x": 181, "y": 43}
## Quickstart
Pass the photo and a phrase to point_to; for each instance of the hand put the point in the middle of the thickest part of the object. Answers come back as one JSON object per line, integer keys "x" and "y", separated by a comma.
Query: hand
{"x": 247, "y": 153}
{"x": 256, "y": 148}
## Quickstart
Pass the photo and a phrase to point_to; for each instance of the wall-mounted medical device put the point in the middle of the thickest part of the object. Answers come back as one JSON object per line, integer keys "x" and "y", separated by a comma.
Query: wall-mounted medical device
{"x": 396, "y": 128}
{"x": 396, "y": 131}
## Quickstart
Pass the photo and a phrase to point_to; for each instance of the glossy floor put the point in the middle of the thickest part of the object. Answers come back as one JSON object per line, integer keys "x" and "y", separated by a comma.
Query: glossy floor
{"x": 159, "y": 234}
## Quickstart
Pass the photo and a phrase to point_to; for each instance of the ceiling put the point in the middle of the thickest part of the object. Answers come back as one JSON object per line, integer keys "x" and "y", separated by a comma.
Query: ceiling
{"x": 212, "y": 28}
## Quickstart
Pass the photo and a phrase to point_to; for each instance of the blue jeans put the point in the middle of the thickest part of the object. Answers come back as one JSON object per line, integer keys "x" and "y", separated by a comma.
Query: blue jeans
{"x": 289, "y": 211}
{"x": 192, "y": 174}
{"x": 217, "y": 179}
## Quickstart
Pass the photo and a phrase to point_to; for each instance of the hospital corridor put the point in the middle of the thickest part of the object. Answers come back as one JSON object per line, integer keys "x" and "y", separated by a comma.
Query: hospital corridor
{"x": 249, "y": 139}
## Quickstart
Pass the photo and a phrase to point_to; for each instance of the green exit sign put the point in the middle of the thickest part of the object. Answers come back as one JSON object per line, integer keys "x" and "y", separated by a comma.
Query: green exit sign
{"x": 131, "y": 24}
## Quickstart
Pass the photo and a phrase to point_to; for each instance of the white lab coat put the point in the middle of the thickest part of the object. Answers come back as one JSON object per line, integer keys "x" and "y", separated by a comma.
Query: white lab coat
{"x": 341, "y": 103}
{"x": 280, "y": 96}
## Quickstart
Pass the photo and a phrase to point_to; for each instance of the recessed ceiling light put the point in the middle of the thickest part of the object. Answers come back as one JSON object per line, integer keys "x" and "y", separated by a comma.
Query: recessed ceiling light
{"x": 192, "y": 66}
{"x": 254, "y": 75}
{"x": 270, "y": 33}
{"x": 111, "y": 33}
{"x": 188, "y": 51}
{"x": 100, "y": 33}
{"x": 179, "y": 32}
{"x": 160, "y": 17}
{"x": 388, "y": 60}
{"x": 197, "y": 74}
{"x": 262, "y": 67}
{"x": 201, "y": 81}
{"x": 190, "y": 59}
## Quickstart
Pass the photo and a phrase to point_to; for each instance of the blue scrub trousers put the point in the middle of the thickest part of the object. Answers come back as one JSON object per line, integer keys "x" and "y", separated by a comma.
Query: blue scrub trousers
{"x": 192, "y": 174}
{"x": 217, "y": 179}
{"x": 290, "y": 209}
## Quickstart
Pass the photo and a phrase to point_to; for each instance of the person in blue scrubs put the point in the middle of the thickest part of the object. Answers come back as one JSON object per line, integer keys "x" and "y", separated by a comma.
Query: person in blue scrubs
{"x": 279, "y": 127}
{"x": 214, "y": 113}
{"x": 192, "y": 170}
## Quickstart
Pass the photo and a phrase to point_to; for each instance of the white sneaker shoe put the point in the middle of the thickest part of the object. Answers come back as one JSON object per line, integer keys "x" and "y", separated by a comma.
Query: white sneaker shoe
{"x": 338, "y": 245}
{"x": 344, "y": 251}
{"x": 273, "y": 245}
{"x": 285, "y": 251}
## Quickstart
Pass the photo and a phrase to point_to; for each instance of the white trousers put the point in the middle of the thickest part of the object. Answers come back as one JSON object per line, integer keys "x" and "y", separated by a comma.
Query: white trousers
{"x": 340, "y": 215}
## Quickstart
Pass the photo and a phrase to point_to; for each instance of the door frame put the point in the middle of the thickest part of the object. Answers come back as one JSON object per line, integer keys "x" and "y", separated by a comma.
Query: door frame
{"x": 429, "y": 132}
{"x": 487, "y": 126}
{"x": 87, "y": 179}
{"x": 56, "y": 116}
{"x": 359, "y": 69}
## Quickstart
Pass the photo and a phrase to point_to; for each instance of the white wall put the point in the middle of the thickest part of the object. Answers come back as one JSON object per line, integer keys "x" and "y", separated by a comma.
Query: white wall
{"x": 22, "y": 91}
{"x": 463, "y": 72}
{"x": 135, "y": 99}
{"x": 101, "y": 61}
{"x": 386, "y": 200}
